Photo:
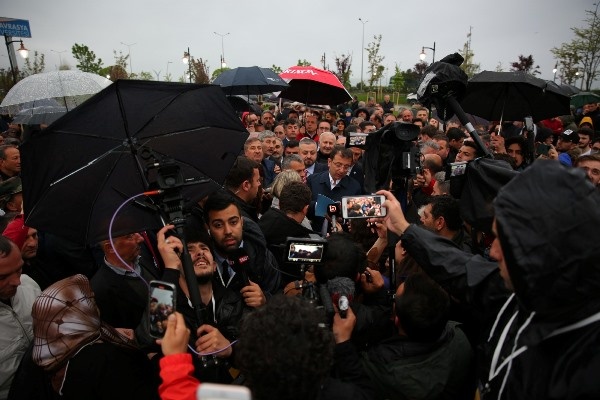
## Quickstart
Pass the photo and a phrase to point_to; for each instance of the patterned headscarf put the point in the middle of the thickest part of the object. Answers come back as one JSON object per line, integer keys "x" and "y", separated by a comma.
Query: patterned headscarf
{"x": 65, "y": 319}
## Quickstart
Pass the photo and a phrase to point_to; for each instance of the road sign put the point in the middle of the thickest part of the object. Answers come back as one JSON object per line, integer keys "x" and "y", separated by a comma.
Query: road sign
{"x": 14, "y": 27}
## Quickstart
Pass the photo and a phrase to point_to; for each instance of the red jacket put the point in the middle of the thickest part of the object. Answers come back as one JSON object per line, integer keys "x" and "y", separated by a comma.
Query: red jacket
{"x": 178, "y": 381}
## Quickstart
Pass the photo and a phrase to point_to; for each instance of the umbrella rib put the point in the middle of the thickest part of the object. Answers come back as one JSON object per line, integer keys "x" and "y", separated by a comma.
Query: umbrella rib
{"x": 89, "y": 164}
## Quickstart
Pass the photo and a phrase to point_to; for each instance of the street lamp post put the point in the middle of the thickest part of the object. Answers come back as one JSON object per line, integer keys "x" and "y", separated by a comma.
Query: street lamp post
{"x": 23, "y": 52}
{"x": 423, "y": 55}
{"x": 59, "y": 57}
{"x": 129, "y": 55}
{"x": 362, "y": 56}
{"x": 554, "y": 70}
{"x": 167, "y": 74}
{"x": 189, "y": 60}
{"x": 223, "y": 63}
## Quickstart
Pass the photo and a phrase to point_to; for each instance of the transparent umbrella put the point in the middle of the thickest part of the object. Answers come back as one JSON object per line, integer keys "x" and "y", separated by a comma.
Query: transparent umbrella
{"x": 70, "y": 88}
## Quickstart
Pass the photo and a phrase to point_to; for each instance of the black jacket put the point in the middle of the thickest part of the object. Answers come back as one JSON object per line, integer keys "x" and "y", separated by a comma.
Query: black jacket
{"x": 276, "y": 227}
{"x": 552, "y": 256}
{"x": 262, "y": 265}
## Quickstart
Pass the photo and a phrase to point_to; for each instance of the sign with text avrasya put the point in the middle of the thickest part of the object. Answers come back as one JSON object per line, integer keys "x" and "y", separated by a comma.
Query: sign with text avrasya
{"x": 14, "y": 27}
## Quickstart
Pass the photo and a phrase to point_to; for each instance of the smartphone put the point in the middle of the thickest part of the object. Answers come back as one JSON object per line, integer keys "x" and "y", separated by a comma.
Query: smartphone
{"x": 541, "y": 149}
{"x": 305, "y": 250}
{"x": 369, "y": 206}
{"x": 529, "y": 124}
{"x": 213, "y": 391}
{"x": 161, "y": 304}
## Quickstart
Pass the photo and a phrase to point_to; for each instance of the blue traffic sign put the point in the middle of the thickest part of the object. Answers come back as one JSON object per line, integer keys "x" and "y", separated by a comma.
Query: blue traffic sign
{"x": 14, "y": 27}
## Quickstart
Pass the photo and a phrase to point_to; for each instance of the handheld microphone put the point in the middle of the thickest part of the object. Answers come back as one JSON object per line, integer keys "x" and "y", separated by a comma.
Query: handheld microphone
{"x": 239, "y": 262}
{"x": 341, "y": 291}
{"x": 333, "y": 210}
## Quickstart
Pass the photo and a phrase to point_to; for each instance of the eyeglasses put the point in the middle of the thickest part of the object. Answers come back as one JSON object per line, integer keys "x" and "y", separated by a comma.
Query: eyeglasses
{"x": 341, "y": 166}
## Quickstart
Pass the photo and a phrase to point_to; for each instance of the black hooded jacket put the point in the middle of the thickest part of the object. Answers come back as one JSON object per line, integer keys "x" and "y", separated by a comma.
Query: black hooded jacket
{"x": 547, "y": 220}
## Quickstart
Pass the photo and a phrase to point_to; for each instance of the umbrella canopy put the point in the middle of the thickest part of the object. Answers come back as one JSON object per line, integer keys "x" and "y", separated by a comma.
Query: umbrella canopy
{"x": 250, "y": 80}
{"x": 312, "y": 85}
{"x": 105, "y": 151}
{"x": 582, "y": 98}
{"x": 512, "y": 96}
{"x": 63, "y": 85}
{"x": 570, "y": 89}
{"x": 39, "y": 115}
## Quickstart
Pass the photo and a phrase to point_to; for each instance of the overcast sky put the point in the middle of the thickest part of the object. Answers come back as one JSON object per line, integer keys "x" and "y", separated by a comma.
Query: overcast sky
{"x": 267, "y": 32}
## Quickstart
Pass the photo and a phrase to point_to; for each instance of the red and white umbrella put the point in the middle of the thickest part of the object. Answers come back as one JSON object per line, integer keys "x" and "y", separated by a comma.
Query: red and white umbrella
{"x": 312, "y": 85}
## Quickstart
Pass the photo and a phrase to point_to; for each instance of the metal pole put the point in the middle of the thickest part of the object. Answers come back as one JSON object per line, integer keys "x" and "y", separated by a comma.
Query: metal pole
{"x": 362, "y": 56}
{"x": 223, "y": 64}
{"x": 189, "y": 64}
{"x": 10, "y": 59}
{"x": 433, "y": 59}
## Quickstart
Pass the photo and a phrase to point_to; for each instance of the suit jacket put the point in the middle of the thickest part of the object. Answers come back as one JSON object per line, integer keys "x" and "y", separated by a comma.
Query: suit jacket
{"x": 359, "y": 174}
{"x": 320, "y": 168}
{"x": 320, "y": 184}
{"x": 269, "y": 169}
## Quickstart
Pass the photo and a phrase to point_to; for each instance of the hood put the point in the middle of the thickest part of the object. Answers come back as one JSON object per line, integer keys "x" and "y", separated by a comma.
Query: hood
{"x": 547, "y": 219}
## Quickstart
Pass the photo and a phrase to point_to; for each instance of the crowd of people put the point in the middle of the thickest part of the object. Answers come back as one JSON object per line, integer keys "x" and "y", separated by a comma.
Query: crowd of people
{"x": 439, "y": 308}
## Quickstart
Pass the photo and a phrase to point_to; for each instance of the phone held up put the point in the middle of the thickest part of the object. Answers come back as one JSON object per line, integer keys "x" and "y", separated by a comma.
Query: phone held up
{"x": 369, "y": 206}
{"x": 161, "y": 305}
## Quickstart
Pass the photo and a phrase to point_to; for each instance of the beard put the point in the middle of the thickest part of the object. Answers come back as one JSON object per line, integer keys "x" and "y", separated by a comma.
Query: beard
{"x": 204, "y": 278}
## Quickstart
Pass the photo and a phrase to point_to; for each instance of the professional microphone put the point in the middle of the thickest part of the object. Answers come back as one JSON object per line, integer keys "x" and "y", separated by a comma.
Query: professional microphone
{"x": 341, "y": 291}
{"x": 333, "y": 210}
{"x": 240, "y": 262}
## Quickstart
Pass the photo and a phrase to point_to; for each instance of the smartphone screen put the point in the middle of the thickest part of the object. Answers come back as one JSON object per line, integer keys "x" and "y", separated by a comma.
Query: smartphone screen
{"x": 305, "y": 252}
{"x": 541, "y": 149}
{"x": 369, "y": 206}
{"x": 161, "y": 305}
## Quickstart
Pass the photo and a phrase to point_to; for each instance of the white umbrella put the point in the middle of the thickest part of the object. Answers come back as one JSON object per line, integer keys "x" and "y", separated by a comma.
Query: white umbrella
{"x": 69, "y": 87}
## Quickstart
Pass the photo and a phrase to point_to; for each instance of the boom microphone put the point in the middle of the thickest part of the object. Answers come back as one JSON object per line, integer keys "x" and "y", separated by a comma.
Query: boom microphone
{"x": 240, "y": 262}
{"x": 341, "y": 291}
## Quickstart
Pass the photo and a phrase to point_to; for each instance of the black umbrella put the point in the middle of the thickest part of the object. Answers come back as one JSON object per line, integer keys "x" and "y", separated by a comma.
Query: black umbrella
{"x": 39, "y": 115}
{"x": 512, "y": 96}
{"x": 250, "y": 80}
{"x": 79, "y": 170}
{"x": 570, "y": 89}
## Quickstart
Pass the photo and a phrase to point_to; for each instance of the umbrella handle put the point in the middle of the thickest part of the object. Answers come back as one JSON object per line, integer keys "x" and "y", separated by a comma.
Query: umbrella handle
{"x": 462, "y": 117}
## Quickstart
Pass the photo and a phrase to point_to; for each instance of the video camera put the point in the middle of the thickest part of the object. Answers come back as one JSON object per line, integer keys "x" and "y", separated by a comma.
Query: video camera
{"x": 391, "y": 153}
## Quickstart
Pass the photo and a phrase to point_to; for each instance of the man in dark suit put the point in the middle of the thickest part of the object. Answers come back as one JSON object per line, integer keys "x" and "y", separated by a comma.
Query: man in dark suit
{"x": 333, "y": 183}
{"x": 308, "y": 152}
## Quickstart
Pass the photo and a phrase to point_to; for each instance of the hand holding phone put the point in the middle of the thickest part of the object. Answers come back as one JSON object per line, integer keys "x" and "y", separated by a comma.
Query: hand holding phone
{"x": 161, "y": 304}
{"x": 369, "y": 206}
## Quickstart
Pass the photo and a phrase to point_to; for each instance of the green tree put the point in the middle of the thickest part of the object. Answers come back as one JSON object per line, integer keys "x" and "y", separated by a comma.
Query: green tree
{"x": 397, "y": 80}
{"x": 303, "y": 63}
{"x": 86, "y": 59}
{"x": 499, "y": 67}
{"x": 374, "y": 59}
{"x": 525, "y": 64}
{"x": 343, "y": 64}
{"x": 6, "y": 82}
{"x": 121, "y": 63}
{"x": 144, "y": 76}
{"x": 218, "y": 72}
{"x": 276, "y": 69}
{"x": 582, "y": 53}
{"x": 34, "y": 67}
{"x": 468, "y": 65}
